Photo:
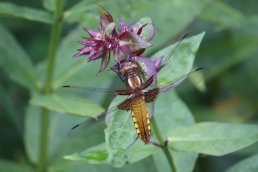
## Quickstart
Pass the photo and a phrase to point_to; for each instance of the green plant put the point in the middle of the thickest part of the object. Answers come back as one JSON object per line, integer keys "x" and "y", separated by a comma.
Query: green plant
{"x": 51, "y": 111}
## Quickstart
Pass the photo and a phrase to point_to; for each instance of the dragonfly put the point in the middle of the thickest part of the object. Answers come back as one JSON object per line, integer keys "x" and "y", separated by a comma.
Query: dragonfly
{"x": 139, "y": 92}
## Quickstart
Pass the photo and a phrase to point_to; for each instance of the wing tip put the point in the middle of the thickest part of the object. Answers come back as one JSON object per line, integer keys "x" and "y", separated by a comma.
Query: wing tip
{"x": 75, "y": 126}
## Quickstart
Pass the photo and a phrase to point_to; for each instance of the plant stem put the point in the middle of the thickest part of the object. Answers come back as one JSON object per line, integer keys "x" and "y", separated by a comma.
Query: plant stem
{"x": 163, "y": 146}
{"x": 47, "y": 89}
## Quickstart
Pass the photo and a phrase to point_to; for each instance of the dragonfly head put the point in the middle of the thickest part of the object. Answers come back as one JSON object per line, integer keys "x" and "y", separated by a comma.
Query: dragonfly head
{"x": 124, "y": 66}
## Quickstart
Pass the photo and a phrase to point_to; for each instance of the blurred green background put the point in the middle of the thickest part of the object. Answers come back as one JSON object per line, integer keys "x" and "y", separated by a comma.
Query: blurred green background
{"x": 229, "y": 51}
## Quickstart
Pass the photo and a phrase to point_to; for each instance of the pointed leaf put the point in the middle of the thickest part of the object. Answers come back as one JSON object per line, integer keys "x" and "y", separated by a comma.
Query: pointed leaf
{"x": 12, "y": 10}
{"x": 15, "y": 62}
{"x": 181, "y": 61}
{"x": 59, "y": 142}
{"x": 80, "y": 166}
{"x": 6, "y": 165}
{"x": 212, "y": 138}
{"x": 49, "y": 4}
{"x": 223, "y": 15}
{"x": 95, "y": 155}
{"x": 32, "y": 133}
{"x": 246, "y": 165}
{"x": 67, "y": 104}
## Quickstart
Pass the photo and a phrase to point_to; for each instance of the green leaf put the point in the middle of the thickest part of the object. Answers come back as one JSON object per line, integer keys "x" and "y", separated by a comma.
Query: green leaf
{"x": 118, "y": 158}
{"x": 9, "y": 108}
{"x": 181, "y": 61}
{"x": 221, "y": 55}
{"x": 185, "y": 162}
{"x": 120, "y": 133}
{"x": 246, "y": 165}
{"x": 198, "y": 81}
{"x": 80, "y": 166}
{"x": 213, "y": 138}
{"x": 49, "y": 4}
{"x": 172, "y": 18}
{"x": 12, "y": 10}
{"x": 170, "y": 113}
{"x": 32, "y": 133}
{"x": 10, "y": 166}
{"x": 15, "y": 62}
{"x": 96, "y": 154}
{"x": 59, "y": 142}
{"x": 222, "y": 15}
{"x": 67, "y": 104}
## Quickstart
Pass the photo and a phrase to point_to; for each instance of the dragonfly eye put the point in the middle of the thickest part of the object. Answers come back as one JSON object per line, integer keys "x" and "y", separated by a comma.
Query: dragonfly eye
{"x": 130, "y": 59}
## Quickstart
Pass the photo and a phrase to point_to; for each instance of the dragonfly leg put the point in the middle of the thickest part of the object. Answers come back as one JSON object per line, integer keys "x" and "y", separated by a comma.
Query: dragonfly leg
{"x": 125, "y": 105}
{"x": 151, "y": 95}
{"x": 123, "y": 92}
{"x": 166, "y": 143}
{"x": 151, "y": 112}
{"x": 131, "y": 144}
{"x": 148, "y": 82}
{"x": 120, "y": 76}
{"x": 156, "y": 144}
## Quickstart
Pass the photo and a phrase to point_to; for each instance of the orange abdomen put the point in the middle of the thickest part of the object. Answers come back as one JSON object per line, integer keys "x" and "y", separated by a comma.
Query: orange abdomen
{"x": 141, "y": 119}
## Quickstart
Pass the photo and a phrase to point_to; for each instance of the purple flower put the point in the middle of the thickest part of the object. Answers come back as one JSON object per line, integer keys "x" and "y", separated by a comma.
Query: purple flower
{"x": 134, "y": 39}
{"x": 149, "y": 67}
{"x": 129, "y": 42}
{"x": 102, "y": 42}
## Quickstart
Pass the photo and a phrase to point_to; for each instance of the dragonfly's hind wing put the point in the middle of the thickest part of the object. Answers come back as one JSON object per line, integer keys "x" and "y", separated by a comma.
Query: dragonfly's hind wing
{"x": 91, "y": 90}
{"x": 91, "y": 126}
{"x": 173, "y": 84}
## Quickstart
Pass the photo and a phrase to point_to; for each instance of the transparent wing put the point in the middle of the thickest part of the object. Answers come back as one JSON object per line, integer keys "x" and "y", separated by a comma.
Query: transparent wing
{"x": 173, "y": 84}
{"x": 90, "y": 90}
{"x": 92, "y": 126}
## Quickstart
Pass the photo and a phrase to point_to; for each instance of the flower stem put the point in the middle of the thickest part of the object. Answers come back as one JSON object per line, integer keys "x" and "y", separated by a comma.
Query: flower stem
{"x": 163, "y": 146}
{"x": 47, "y": 89}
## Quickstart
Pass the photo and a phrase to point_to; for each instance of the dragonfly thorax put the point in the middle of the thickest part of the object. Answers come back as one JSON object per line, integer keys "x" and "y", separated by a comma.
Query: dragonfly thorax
{"x": 133, "y": 81}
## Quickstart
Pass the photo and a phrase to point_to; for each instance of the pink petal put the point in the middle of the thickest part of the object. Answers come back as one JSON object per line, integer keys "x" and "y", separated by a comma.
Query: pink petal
{"x": 145, "y": 28}
{"x": 131, "y": 43}
{"x": 123, "y": 27}
{"x": 83, "y": 51}
{"x": 88, "y": 42}
{"x": 105, "y": 17}
{"x": 104, "y": 61}
{"x": 94, "y": 34}
{"x": 158, "y": 64}
{"x": 94, "y": 55}
{"x": 109, "y": 29}
{"x": 148, "y": 67}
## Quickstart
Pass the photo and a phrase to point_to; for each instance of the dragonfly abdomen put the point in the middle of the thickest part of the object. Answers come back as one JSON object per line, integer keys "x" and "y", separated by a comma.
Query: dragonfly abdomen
{"x": 141, "y": 119}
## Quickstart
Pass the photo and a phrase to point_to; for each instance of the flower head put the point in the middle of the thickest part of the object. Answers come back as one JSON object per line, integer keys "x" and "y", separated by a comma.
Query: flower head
{"x": 134, "y": 39}
{"x": 130, "y": 41}
{"x": 102, "y": 42}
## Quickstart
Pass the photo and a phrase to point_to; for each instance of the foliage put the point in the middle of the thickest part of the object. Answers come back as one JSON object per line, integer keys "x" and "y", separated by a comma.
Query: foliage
{"x": 217, "y": 122}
